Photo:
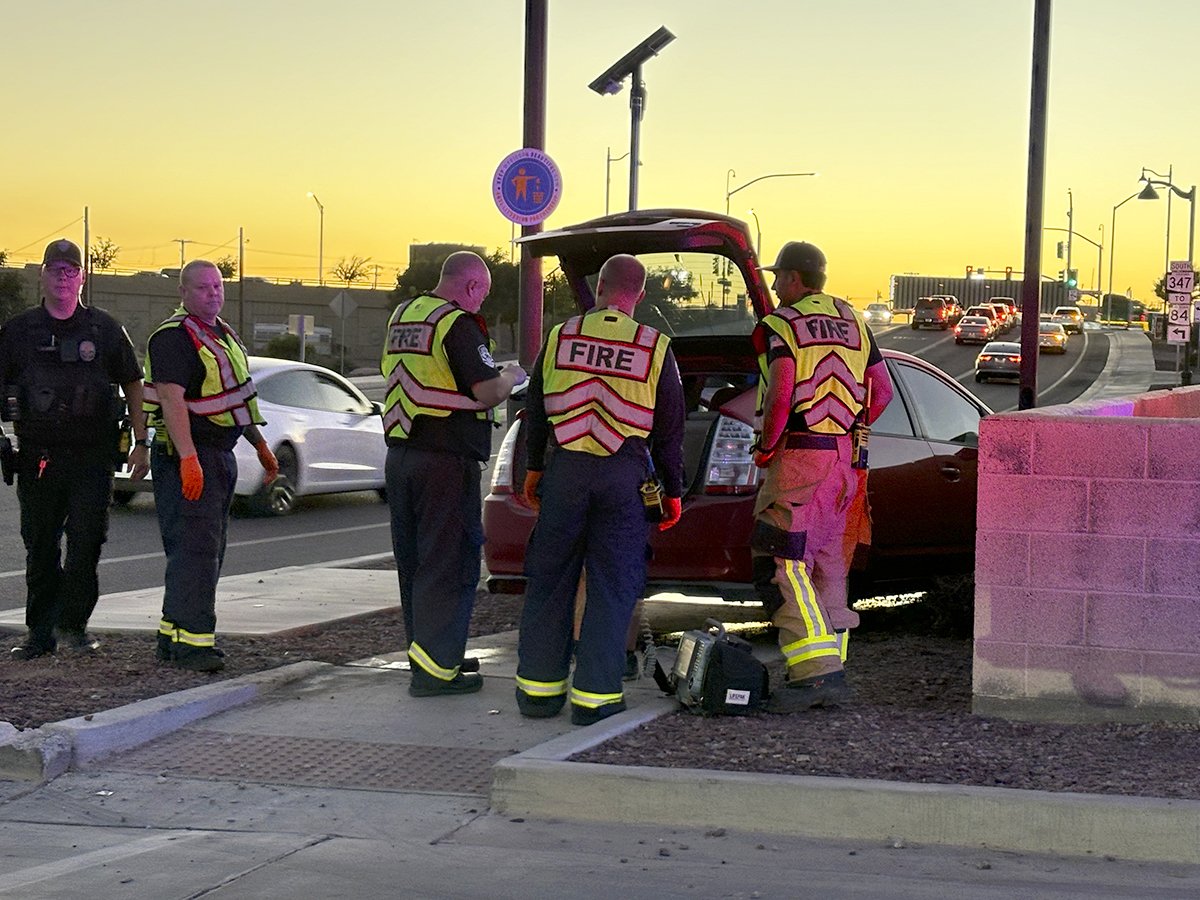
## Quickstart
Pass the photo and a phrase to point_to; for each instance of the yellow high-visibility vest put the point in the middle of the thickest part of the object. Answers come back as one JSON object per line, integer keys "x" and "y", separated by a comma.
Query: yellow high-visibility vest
{"x": 828, "y": 340}
{"x": 228, "y": 397}
{"x": 600, "y": 379}
{"x": 420, "y": 381}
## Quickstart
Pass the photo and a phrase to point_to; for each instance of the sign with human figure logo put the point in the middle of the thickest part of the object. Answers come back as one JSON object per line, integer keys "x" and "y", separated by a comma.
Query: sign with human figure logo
{"x": 527, "y": 186}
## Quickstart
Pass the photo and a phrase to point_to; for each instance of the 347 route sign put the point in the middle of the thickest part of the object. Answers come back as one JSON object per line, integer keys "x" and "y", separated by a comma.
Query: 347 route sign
{"x": 1181, "y": 279}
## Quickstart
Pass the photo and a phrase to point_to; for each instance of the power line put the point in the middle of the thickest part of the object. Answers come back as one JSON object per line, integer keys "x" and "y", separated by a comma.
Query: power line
{"x": 47, "y": 236}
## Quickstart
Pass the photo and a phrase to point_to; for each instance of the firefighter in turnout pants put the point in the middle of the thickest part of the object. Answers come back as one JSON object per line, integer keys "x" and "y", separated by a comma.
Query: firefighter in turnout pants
{"x": 606, "y": 393}
{"x": 441, "y": 386}
{"x": 823, "y": 378}
{"x": 200, "y": 398}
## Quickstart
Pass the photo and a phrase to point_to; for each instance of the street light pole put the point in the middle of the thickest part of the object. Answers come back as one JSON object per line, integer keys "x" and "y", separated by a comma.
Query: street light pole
{"x": 1112, "y": 252}
{"x": 1148, "y": 193}
{"x": 757, "y": 234}
{"x": 609, "y": 159}
{"x": 320, "y": 240}
{"x": 729, "y": 193}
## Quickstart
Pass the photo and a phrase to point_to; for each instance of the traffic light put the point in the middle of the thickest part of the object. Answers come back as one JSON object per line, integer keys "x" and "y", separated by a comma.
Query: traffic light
{"x": 970, "y": 269}
{"x": 1062, "y": 274}
{"x": 1072, "y": 278}
{"x": 1008, "y": 273}
{"x": 1060, "y": 249}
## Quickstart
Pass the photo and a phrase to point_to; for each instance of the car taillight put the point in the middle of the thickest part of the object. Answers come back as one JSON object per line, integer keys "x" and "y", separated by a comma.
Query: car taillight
{"x": 730, "y": 467}
{"x": 1014, "y": 359}
{"x": 958, "y": 329}
{"x": 502, "y": 474}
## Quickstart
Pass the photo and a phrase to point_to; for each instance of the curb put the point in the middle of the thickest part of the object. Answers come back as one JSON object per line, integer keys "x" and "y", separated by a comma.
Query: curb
{"x": 541, "y": 783}
{"x": 43, "y": 754}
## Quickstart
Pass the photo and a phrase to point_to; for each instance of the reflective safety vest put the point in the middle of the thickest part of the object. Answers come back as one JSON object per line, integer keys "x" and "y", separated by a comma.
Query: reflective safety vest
{"x": 599, "y": 380}
{"x": 228, "y": 397}
{"x": 420, "y": 381}
{"x": 828, "y": 340}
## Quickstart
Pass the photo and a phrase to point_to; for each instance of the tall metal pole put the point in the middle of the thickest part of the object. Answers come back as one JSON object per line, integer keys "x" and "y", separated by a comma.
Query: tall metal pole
{"x": 1185, "y": 377}
{"x": 530, "y": 302}
{"x": 242, "y": 287}
{"x": 1070, "y": 228}
{"x": 1034, "y": 192}
{"x": 728, "y": 193}
{"x": 87, "y": 260}
{"x": 607, "y": 176}
{"x": 320, "y": 239}
{"x": 637, "y": 108}
{"x": 1112, "y": 250}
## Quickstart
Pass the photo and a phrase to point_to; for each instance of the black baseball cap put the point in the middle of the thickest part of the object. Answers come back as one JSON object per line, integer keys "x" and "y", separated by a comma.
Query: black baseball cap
{"x": 63, "y": 250}
{"x": 798, "y": 256}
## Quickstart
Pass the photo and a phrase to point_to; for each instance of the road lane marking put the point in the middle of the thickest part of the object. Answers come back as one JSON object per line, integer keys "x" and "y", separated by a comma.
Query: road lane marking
{"x": 270, "y": 540}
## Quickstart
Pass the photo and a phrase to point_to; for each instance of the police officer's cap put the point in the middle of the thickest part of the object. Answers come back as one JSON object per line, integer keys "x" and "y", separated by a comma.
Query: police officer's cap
{"x": 62, "y": 250}
{"x": 798, "y": 256}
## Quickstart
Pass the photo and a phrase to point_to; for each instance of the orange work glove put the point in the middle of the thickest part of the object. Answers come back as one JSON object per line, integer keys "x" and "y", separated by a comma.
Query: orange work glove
{"x": 192, "y": 476}
{"x": 529, "y": 491}
{"x": 672, "y": 510}
{"x": 267, "y": 460}
{"x": 762, "y": 458}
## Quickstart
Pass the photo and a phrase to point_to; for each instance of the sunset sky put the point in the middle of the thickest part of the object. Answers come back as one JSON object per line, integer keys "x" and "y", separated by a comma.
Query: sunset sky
{"x": 182, "y": 120}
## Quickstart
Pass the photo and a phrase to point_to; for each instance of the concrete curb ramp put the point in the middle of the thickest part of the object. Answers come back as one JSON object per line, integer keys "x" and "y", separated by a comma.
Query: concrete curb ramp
{"x": 540, "y": 783}
{"x": 42, "y": 754}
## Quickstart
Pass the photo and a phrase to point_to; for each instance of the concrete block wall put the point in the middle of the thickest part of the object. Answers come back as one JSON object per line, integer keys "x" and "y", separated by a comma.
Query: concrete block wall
{"x": 1087, "y": 574}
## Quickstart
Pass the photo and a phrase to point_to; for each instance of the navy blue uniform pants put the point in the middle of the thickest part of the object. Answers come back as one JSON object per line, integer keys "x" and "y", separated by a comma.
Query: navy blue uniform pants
{"x": 437, "y": 536}
{"x": 193, "y": 537}
{"x": 591, "y": 515}
{"x": 70, "y": 498}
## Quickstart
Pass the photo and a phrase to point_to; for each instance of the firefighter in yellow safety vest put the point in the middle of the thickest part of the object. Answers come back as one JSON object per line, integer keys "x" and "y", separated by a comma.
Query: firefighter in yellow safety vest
{"x": 200, "y": 399}
{"x": 607, "y": 398}
{"x": 442, "y": 384}
{"x": 823, "y": 382}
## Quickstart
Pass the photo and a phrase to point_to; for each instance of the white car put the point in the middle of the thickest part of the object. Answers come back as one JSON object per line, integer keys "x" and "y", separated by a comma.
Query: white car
{"x": 877, "y": 314}
{"x": 327, "y": 436}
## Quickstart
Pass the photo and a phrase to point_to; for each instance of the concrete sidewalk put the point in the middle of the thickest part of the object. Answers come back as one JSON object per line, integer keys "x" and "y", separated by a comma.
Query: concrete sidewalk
{"x": 321, "y": 780}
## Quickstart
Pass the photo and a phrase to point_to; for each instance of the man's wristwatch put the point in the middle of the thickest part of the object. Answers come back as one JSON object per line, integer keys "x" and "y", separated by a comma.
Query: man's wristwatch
{"x": 144, "y": 442}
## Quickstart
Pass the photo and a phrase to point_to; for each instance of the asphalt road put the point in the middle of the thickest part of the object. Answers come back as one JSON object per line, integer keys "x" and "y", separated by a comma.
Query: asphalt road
{"x": 349, "y": 525}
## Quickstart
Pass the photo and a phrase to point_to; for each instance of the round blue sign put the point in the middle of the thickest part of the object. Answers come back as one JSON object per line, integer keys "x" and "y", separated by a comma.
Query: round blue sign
{"x": 527, "y": 186}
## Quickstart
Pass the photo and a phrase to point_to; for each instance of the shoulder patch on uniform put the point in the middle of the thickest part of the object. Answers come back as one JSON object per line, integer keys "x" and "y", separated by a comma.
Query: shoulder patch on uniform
{"x": 486, "y": 356}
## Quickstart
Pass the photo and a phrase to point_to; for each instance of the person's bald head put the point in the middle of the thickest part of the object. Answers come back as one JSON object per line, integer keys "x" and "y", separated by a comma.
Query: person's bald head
{"x": 465, "y": 280}
{"x": 622, "y": 283}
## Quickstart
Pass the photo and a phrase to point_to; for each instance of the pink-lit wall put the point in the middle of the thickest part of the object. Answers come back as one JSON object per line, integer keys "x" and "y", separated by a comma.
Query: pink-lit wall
{"x": 1087, "y": 576}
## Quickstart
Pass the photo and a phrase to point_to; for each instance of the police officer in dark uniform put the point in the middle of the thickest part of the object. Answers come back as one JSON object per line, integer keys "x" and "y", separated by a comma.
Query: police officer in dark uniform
{"x": 606, "y": 394}
{"x": 442, "y": 384}
{"x": 60, "y": 363}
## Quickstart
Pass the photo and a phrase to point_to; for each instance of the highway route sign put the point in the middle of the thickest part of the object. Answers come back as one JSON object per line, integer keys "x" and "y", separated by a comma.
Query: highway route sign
{"x": 1181, "y": 279}
{"x": 1179, "y": 314}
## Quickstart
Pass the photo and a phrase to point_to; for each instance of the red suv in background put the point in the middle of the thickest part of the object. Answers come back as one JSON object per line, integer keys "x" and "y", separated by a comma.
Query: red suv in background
{"x": 705, "y": 290}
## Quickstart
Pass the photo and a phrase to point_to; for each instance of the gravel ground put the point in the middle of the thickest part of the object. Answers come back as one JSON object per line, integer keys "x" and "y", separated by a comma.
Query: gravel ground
{"x": 910, "y": 719}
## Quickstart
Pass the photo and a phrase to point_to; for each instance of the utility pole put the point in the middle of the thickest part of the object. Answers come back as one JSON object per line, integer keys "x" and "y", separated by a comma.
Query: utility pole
{"x": 182, "y": 242}
{"x": 242, "y": 286}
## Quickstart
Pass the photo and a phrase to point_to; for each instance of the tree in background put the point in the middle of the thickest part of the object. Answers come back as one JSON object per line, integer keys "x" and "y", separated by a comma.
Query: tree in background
{"x": 12, "y": 294}
{"x": 103, "y": 253}
{"x": 227, "y": 266}
{"x": 3, "y": 257}
{"x": 350, "y": 270}
{"x": 287, "y": 346}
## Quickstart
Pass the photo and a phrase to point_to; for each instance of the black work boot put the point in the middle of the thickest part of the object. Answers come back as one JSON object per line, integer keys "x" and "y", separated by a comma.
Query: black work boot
{"x": 469, "y": 664}
{"x": 539, "y": 707}
{"x": 33, "y": 647}
{"x": 588, "y": 715}
{"x": 162, "y": 649}
{"x": 197, "y": 659}
{"x": 811, "y": 693}
{"x": 77, "y": 642}
{"x": 425, "y": 685}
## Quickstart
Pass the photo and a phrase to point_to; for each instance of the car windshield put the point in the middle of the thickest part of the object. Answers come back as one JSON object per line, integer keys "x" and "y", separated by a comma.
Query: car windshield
{"x": 1050, "y": 328}
{"x": 974, "y": 320}
{"x": 692, "y": 293}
